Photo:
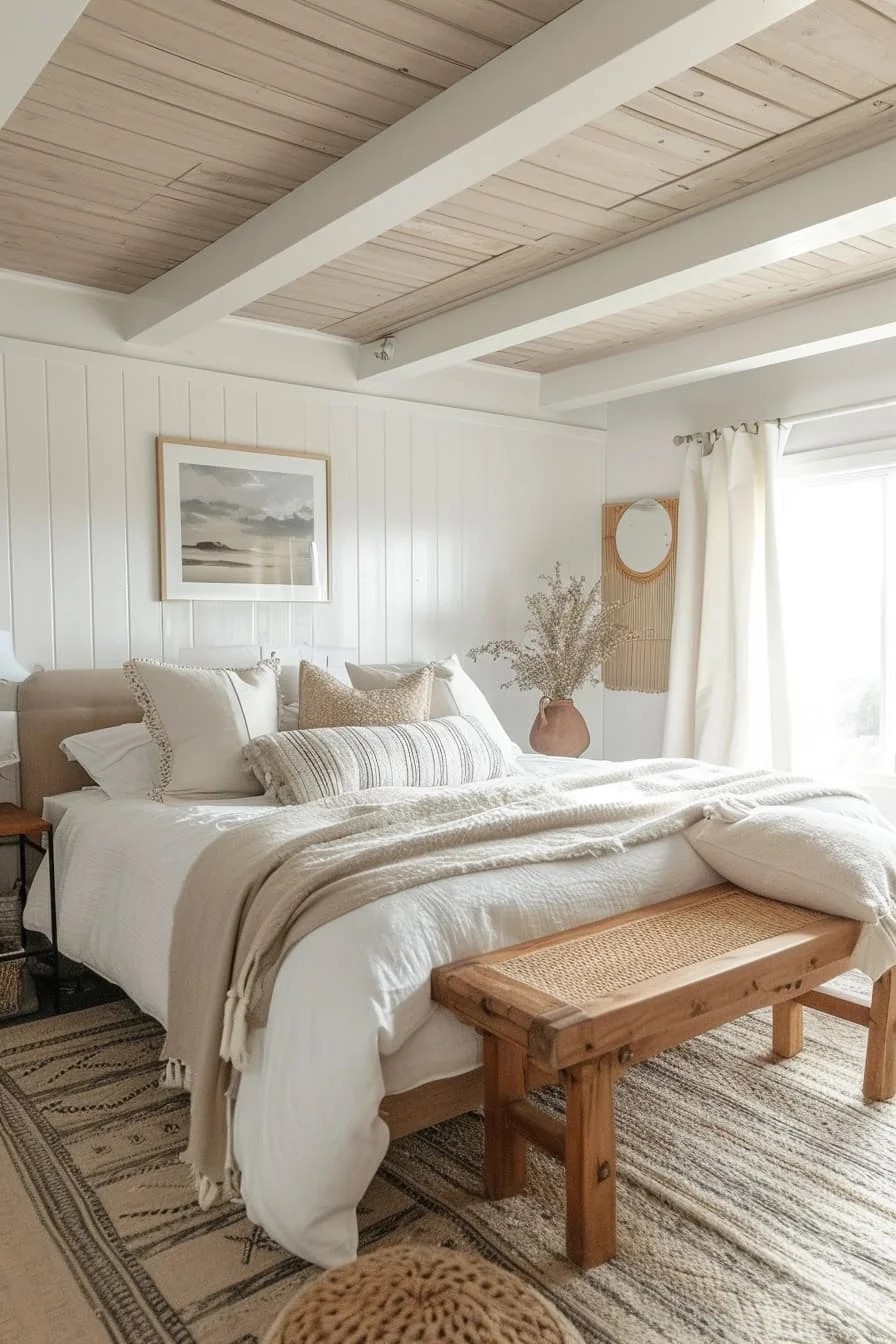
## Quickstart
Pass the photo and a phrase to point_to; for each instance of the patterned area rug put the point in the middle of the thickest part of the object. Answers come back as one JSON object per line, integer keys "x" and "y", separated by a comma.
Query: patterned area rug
{"x": 756, "y": 1200}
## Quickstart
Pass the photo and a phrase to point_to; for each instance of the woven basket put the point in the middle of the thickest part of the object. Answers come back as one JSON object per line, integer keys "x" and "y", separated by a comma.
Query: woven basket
{"x": 409, "y": 1294}
{"x": 11, "y": 902}
{"x": 17, "y": 993}
{"x": 12, "y": 983}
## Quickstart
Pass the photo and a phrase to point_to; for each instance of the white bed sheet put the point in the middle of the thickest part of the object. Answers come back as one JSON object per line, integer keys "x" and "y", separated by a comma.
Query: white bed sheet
{"x": 350, "y": 1017}
{"x": 57, "y": 804}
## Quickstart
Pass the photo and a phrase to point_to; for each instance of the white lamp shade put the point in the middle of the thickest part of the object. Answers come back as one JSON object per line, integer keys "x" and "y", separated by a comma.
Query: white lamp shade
{"x": 9, "y": 738}
{"x": 10, "y": 667}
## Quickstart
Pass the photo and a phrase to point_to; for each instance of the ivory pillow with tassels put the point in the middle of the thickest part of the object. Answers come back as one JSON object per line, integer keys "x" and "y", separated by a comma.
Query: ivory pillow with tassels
{"x": 201, "y": 718}
{"x": 301, "y": 766}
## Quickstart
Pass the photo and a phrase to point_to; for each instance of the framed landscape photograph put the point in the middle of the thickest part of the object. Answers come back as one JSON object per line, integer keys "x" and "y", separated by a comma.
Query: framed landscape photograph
{"x": 243, "y": 523}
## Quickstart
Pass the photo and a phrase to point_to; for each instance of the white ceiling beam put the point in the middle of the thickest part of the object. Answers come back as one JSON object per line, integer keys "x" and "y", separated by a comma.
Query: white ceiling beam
{"x": 32, "y": 30}
{"x": 826, "y": 205}
{"x": 597, "y": 55}
{"x": 854, "y": 316}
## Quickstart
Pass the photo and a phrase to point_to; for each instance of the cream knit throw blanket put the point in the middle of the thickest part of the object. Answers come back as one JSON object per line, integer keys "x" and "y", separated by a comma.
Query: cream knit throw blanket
{"x": 261, "y": 887}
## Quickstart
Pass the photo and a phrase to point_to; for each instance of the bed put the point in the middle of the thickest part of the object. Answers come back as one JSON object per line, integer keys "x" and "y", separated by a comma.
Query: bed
{"x": 354, "y": 1051}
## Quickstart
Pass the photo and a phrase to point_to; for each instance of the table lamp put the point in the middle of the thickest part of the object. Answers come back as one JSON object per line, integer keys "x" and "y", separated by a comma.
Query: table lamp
{"x": 10, "y": 667}
{"x": 11, "y": 672}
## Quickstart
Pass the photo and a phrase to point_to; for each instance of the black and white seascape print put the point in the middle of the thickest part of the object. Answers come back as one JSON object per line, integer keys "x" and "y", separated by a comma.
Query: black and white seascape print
{"x": 244, "y": 526}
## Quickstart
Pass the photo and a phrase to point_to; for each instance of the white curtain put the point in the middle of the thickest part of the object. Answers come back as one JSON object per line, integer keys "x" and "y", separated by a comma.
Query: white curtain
{"x": 727, "y": 678}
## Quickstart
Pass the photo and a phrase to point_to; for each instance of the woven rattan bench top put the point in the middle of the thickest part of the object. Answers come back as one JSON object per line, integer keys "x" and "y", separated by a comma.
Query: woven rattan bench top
{"x": 667, "y": 971}
{"x": 585, "y": 966}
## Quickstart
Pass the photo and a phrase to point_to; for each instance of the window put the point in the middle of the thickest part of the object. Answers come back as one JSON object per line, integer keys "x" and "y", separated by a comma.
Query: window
{"x": 838, "y": 555}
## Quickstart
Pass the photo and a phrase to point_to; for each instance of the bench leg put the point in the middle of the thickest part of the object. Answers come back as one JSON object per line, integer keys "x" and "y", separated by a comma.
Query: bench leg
{"x": 590, "y": 1163}
{"x": 880, "y": 1056}
{"x": 787, "y": 1028}
{"x": 505, "y": 1149}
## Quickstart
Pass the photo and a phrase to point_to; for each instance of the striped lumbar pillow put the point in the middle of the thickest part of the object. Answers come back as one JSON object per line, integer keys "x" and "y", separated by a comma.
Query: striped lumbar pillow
{"x": 300, "y": 766}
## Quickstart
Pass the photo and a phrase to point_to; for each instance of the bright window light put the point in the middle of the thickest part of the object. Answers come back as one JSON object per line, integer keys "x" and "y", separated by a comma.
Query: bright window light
{"x": 838, "y": 546}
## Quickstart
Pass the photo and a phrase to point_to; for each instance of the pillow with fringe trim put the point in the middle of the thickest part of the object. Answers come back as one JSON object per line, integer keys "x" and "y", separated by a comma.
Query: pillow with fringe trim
{"x": 201, "y": 718}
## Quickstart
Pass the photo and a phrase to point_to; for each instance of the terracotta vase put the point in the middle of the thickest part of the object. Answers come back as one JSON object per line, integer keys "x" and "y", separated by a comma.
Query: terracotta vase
{"x": 559, "y": 729}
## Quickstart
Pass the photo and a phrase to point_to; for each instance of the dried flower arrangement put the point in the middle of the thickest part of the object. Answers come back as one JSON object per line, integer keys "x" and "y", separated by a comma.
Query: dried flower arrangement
{"x": 570, "y": 633}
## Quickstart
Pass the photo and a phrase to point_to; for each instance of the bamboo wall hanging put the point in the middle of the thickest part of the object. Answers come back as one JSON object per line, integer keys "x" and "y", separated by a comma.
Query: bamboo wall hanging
{"x": 641, "y": 664}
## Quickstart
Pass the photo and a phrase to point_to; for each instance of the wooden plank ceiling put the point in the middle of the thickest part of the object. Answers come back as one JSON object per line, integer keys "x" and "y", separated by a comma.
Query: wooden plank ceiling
{"x": 162, "y": 124}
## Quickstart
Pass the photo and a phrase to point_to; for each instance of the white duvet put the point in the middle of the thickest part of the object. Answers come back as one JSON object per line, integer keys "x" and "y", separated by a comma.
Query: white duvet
{"x": 351, "y": 1018}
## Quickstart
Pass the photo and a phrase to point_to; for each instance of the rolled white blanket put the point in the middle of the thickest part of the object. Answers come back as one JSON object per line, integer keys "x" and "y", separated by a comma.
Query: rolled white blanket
{"x": 842, "y": 865}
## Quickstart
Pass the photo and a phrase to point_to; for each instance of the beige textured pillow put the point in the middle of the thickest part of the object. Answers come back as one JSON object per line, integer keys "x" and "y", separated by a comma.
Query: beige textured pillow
{"x": 325, "y": 702}
{"x": 453, "y": 692}
{"x": 201, "y": 719}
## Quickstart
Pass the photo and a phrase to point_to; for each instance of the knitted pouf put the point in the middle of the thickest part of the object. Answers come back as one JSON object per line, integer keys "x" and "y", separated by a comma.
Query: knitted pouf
{"x": 419, "y": 1295}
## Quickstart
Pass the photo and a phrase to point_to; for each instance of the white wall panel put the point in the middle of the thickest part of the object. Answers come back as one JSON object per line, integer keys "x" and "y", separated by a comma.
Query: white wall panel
{"x": 241, "y": 413}
{"x": 424, "y": 538}
{"x": 108, "y": 520}
{"x": 371, "y": 535}
{"x": 70, "y": 514}
{"x": 334, "y": 430}
{"x": 29, "y": 507}
{"x": 141, "y": 426}
{"x": 450, "y": 490}
{"x": 397, "y": 506}
{"x": 5, "y": 559}
{"x": 487, "y": 585}
{"x": 441, "y": 520}
{"x": 8, "y": 777}
{"x": 174, "y": 423}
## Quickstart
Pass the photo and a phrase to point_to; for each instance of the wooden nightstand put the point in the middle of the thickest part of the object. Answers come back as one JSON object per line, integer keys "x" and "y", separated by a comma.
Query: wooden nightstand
{"x": 26, "y": 829}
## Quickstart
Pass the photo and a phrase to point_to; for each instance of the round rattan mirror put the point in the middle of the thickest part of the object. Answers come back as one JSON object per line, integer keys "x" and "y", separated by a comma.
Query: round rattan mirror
{"x": 643, "y": 539}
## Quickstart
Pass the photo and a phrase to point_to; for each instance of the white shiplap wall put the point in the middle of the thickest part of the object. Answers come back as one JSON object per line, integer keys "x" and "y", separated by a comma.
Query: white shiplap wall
{"x": 442, "y": 519}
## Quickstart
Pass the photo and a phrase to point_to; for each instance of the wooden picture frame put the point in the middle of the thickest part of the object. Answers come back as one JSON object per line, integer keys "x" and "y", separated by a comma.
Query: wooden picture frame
{"x": 242, "y": 523}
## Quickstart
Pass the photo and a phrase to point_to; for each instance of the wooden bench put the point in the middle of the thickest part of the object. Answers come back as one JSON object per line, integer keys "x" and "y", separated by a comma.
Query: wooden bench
{"x": 585, "y": 1005}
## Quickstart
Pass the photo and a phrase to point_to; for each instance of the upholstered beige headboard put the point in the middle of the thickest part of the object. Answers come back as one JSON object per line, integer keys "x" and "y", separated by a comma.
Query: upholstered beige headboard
{"x": 53, "y": 706}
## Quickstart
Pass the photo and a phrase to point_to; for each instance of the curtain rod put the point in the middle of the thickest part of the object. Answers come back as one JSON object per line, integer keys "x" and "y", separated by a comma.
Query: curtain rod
{"x": 839, "y": 410}
{"x": 806, "y": 419}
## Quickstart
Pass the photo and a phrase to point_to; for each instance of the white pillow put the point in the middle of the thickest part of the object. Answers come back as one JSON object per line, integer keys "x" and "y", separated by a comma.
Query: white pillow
{"x": 820, "y": 859}
{"x": 453, "y": 692}
{"x": 123, "y": 760}
{"x": 201, "y": 718}
{"x": 823, "y": 860}
{"x": 289, "y": 717}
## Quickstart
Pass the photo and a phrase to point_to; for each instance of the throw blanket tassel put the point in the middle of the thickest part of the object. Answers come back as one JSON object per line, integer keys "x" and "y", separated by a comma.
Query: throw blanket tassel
{"x": 231, "y": 1188}
{"x": 235, "y": 1032}
{"x": 227, "y": 1028}
{"x": 207, "y": 1192}
{"x": 239, "y": 1036}
{"x": 875, "y": 952}
{"x": 173, "y": 1075}
{"x": 176, "y": 1074}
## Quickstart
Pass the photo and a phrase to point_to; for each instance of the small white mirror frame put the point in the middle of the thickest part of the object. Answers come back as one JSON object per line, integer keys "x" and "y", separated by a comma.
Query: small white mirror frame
{"x": 645, "y": 576}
